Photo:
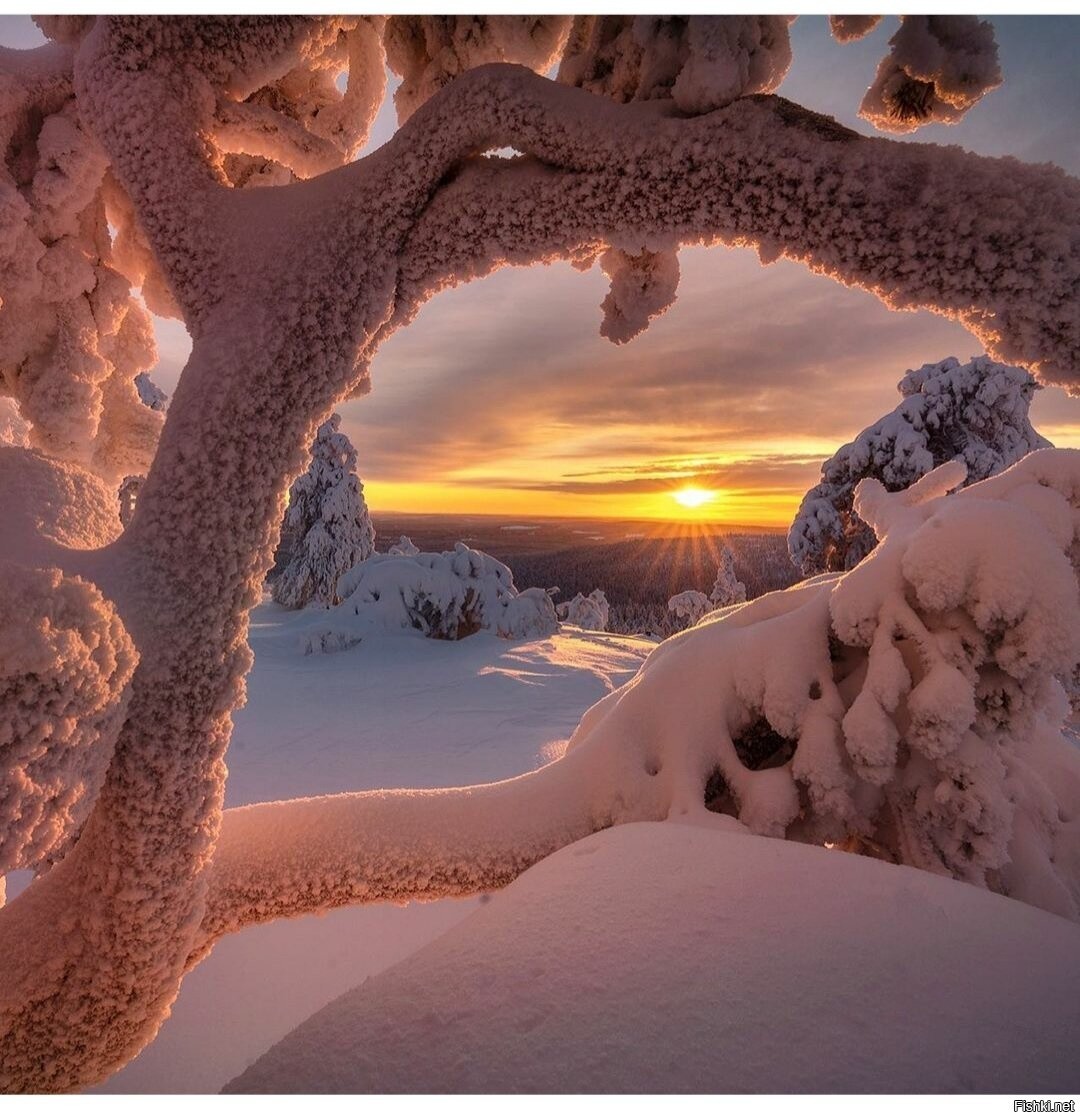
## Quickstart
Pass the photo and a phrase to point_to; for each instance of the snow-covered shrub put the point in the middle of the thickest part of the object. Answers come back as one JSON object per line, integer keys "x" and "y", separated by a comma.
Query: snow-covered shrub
{"x": 404, "y": 546}
{"x": 586, "y": 611}
{"x": 939, "y": 66}
{"x": 65, "y": 663}
{"x": 689, "y": 606}
{"x": 976, "y": 412}
{"x": 445, "y": 595}
{"x": 327, "y": 519}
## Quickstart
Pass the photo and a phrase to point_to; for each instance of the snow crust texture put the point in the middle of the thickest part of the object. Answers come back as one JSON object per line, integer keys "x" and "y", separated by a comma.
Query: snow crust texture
{"x": 327, "y": 520}
{"x": 976, "y": 413}
{"x": 444, "y": 595}
{"x": 569, "y": 981}
{"x": 938, "y": 68}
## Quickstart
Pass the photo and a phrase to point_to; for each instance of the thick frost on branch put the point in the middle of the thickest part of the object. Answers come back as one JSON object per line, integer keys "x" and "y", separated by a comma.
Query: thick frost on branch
{"x": 65, "y": 663}
{"x": 444, "y": 595}
{"x": 643, "y": 286}
{"x": 427, "y": 52}
{"x": 976, "y": 412}
{"x": 700, "y": 62}
{"x": 938, "y": 68}
{"x": 846, "y": 29}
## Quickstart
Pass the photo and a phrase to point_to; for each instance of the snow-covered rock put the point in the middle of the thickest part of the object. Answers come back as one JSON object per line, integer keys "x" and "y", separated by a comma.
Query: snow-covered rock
{"x": 667, "y": 958}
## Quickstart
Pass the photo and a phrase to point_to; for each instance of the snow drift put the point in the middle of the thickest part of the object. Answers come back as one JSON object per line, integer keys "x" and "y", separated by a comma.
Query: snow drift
{"x": 733, "y": 964}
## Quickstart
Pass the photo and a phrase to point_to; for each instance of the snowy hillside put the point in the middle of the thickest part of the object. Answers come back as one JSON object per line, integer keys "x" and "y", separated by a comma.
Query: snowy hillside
{"x": 400, "y": 712}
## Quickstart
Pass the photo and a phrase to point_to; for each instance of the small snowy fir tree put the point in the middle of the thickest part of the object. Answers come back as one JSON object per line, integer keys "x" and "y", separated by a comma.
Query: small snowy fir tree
{"x": 976, "y": 412}
{"x": 404, "y": 546}
{"x": 727, "y": 590}
{"x": 586, "y": 611}
{"x": 329, "y": 520}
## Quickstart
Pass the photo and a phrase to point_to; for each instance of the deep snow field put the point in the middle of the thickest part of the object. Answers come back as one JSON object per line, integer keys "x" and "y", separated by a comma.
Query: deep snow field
{"x": 398, "y": 712}
{"x": 646, "y": 958}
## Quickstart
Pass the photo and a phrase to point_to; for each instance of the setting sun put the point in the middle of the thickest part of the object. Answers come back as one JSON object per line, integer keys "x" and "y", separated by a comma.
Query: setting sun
{"x": 693, "y": 498}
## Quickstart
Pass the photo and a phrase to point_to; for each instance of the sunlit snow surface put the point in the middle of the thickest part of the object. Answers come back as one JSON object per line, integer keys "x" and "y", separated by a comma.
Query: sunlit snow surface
{"x": 399, "y": 712}
{"x": 665, "y": 958}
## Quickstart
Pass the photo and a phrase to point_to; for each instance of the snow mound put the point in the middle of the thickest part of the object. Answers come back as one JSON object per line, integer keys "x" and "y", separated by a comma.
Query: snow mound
{"x": 667, "y": 958}
{"x": 446, "y": 595}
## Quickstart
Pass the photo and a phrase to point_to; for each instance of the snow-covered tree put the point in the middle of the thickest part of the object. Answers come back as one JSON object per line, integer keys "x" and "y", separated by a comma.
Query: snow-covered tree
{"x": 444, "y": 595}
{"x": 689, "y": 606}
{"x": 131, "y": 147}
{"x": 327, "y": 521}
{"x": 727, "y": 589}
{"x": 404, "y": 546}
{"x": 977, "y": 413}
{"x": 586, "y": 611}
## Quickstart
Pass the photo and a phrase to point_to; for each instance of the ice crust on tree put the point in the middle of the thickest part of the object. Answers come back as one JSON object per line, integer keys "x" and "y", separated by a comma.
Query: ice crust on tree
{"x": 327, "y": 519}
{"x": 938, "y": 68}
{"x": 445, "y": 595}
{"x": 148, "y": 125}
{"x": 976, "y": 412}
{"x": 586, "y": 611}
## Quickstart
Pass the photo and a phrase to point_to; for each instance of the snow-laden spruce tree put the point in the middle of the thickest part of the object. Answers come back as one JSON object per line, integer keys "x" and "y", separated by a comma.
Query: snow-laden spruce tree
{"x": 327, "y": 522}
{"x": 977, "y": 413}
{"x": 911, "y": 703}
{"x": 690, "y": 606}
{"x": 727, "y": 589}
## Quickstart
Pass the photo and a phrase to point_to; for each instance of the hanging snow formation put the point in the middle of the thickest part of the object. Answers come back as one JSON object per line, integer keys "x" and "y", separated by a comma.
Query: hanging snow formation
{"x": 976, "y": 412}
{"x": 327, "y": 520}
{"x": 938, "y": 68}
{"x": 444, "y": 595}
{"x": 586, "y": 611}
{"x": 846, "y": 29}
{"x": 149, "y": 126}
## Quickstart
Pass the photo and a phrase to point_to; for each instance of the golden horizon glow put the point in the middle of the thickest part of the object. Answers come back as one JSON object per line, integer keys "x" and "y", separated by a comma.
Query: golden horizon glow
{"x": 691, "y": 497}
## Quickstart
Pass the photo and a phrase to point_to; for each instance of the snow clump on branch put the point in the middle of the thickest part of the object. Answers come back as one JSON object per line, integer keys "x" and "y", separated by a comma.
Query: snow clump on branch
{"x": 444, "y": 595}
{"x": 938, "y": 68}
{"x": 977, "y": 412}
{"x": 846, "y": 29}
